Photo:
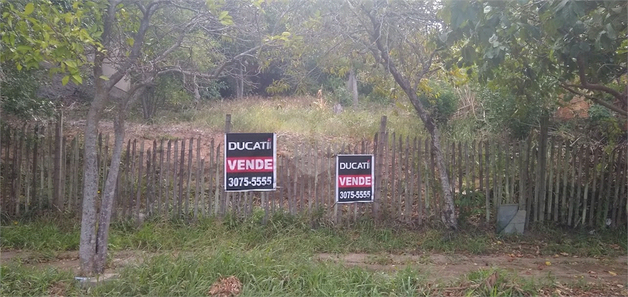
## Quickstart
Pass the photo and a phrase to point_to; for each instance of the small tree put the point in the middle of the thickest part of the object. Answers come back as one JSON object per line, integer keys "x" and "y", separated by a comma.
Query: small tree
{"x": 396, "y": 34}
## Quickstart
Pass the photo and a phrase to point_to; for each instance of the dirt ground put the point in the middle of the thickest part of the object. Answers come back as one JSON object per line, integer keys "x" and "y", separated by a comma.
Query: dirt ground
{"x": 607, "y": 274}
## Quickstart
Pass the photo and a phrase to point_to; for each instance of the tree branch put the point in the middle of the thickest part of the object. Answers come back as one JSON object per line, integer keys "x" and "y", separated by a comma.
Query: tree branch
{"x": 596, "y": 100}
{"x": 597, "y": 87}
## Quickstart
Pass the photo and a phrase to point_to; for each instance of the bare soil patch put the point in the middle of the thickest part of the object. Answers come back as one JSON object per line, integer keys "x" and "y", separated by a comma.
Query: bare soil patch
{"x": 449, "y": 268}
{"x": 70, "y": 261}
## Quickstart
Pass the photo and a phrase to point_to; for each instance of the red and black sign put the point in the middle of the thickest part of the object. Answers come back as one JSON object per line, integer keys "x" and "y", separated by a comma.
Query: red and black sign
{"x": 354, "y": 178}
{"x": 250, "y": 162}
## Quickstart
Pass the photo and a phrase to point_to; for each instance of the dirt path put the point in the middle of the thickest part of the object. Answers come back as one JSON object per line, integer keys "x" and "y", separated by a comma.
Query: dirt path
{"x": 447, "y": 268}
{"x": 70, "y": 261}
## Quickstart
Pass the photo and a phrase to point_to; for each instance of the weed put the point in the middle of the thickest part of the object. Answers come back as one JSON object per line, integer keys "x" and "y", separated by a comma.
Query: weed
{"x": 19, "y": 280}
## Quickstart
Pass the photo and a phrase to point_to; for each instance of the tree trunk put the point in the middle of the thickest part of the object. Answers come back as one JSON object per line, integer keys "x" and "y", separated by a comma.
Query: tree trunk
{"x": 381, "y": 54}
{"x": 352, "y": 87}
{"x": 109, "y": 192}
{"x": 90, "y": 183}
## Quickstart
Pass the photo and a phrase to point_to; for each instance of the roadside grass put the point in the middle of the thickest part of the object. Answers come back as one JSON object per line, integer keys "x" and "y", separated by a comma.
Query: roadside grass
{"x": 279, "y": 258}
{"x": 20, "y": 280}
{"x": 51, "y": 234}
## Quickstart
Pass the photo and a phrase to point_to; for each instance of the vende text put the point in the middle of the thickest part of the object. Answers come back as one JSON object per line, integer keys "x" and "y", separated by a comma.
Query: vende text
{"x": 355, "y": 181}
{"x": 250, "y": 164}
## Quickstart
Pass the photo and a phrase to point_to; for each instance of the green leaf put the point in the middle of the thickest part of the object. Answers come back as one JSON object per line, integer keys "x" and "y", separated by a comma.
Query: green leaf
{"x": 29, "y": 8}
{"x": 77, "y": 78}
{"x": 223, "y": 15}
{"x": 610, "y": 32}
{"x": 18, "y": 66}
{"x": 104, "y": 77}
{"x": 65, "y": 80}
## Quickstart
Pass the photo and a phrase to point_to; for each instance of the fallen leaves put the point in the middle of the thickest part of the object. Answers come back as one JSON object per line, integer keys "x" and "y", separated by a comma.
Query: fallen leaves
{"x": 226, "y": 287}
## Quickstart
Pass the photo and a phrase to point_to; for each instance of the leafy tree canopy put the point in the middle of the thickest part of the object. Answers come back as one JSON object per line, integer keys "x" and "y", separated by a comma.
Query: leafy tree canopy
{"x": 58, "y": 32}
{"x": 579, "y": 46}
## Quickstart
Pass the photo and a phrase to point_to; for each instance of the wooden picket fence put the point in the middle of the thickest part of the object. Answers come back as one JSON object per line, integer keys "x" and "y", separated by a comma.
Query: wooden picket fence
{"x": 41, "y": 170}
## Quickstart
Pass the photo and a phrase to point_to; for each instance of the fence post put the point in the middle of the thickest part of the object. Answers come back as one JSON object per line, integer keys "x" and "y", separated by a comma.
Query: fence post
{"x": 223, "y": 193}
{"x": 58, "y": 203}
{"x": 379, "y": 155}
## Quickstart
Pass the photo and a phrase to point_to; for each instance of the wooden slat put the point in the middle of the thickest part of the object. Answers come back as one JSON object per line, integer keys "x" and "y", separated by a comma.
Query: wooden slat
{"x": 180, "y": 200}
{"x": 189, "y": 177}
{"x": 160, "y": 184}
{"x": 27, "y": 169}
{"x": 585, "y": 191}
{"x": 607, "y": 197}
{"x": 622, "y": 212}
{"x": 618, "y": 183}
{"x": 522, "y": 175}
{"x": 385, "y": 173}
{"x": 126, "y": 194}
{"x": 473, "y": 153}
{"x": 557, "y": 165}
{"x": 197, "y": 192}
{"x": 303, "y": 177}
{"x": 154, "y": 199}
{"x": 574, "y": 177}
{"x": 409, "y": 192}
{"x": 64, "y": 170}
{"x": 222, "y": 208}
{"x": 149, "y": 168}
{"x": 293, "y": 176}
{"x": 168, "y": 178}
{"x": 212, "y": 201}
{"x": 497, "y": 176}
{"x": 176, "y": 210}
{"x": 419, "y": 182}
{"x": 138, "y": 197}
{"x": 594, "y": 190}
{"x": 487, "y": 195}
{"x": 205, "y": 201}
{"x": 565, "y": 169}
{"x": 507, "y": 177}
{"x": 42, "y": 169}
{"x": 550, "y": 181}
{"x": 461, "y": 166}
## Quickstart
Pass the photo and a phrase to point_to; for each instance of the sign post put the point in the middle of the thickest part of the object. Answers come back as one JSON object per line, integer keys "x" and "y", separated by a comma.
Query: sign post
{"x": 250, "y": 162}
{"x": 354, "y": 178}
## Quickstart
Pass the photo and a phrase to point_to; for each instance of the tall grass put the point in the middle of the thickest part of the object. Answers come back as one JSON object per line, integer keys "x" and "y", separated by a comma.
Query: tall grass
{"x": 299, "y": 116}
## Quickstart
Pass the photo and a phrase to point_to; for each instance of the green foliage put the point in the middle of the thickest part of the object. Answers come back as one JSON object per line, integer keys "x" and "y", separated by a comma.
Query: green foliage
{"x": 19, "y": 94}
{"x": 503, "y": 110}
{"x": 336, "y": 87}
{"x": 440, "y": 99}
{"x": 535, "y": 47}
{"x": 43, "y": 31}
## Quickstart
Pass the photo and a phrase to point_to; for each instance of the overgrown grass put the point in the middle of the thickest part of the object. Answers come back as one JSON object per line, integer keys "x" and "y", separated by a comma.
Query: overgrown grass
{"x": 287, "y": 231}
{"x": 19, "y": 280}
{"x": 300, "y": 116}
{"x": 277, "y": 259}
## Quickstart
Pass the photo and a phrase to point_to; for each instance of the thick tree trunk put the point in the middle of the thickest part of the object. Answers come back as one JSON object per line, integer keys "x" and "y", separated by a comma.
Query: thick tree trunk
{"x": 109, "y": 192}
{"x": 90, "y": 184}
